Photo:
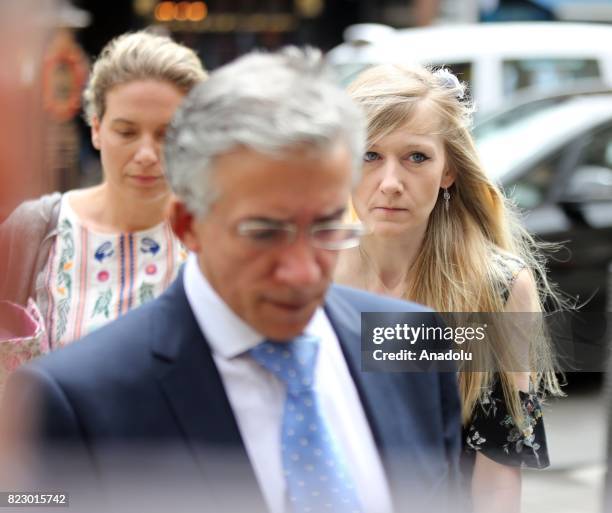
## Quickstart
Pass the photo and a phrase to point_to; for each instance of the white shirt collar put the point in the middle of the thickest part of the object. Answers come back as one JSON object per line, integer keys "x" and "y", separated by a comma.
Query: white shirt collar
{"x": 227, "y": 334}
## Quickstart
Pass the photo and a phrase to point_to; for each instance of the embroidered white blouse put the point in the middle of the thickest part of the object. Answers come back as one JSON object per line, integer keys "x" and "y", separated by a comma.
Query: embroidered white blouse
{"x": 92, "y": 278}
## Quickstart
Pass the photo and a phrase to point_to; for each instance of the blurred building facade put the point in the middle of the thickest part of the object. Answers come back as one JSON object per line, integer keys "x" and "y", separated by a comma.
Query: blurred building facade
{"x": 42, "y": 76}
{"x": 220, "y": 30}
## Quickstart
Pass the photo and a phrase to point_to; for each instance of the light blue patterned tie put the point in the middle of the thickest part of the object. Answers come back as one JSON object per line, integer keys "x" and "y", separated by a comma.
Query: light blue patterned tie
{"x": 316, "y": 475}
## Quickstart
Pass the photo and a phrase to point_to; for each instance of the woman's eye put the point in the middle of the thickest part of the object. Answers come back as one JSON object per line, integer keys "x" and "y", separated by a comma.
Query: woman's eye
{"x": 370, "y": 156}
{"x": 418, "y": 157}
{"x": 126, "y": 133}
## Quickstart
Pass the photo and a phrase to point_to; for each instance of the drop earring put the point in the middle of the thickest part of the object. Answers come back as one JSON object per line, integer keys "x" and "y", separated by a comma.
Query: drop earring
{"x": 446, "y": 198}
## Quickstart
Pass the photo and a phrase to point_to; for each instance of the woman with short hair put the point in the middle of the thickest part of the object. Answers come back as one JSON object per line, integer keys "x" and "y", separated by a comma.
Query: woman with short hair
{"x": 90, "y": 255}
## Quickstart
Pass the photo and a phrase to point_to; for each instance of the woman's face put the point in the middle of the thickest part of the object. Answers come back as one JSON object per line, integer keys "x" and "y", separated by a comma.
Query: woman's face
{"x": 402, "y": 176}
{"x": 130, "y": 136}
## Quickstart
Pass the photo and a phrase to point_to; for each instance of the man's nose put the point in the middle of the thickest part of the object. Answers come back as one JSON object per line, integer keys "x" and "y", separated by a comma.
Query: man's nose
{"x": 391, "y": 182}
{"x": 147, "y": 152}
{"x": 298, "y": 264}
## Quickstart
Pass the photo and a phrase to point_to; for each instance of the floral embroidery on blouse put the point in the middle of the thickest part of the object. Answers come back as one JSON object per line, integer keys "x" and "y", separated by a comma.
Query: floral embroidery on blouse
{"x": 92, "y": 278}
{"x": 149, "y": 246}
{"x": 104, "y": 251}
{"x": 64, "y": 277}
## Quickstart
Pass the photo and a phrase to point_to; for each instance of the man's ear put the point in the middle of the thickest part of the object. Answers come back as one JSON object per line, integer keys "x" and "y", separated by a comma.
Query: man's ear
{"x": 95, "y": 132}
{"x": 182, "y": 222}
{"x": 448, "y": 178}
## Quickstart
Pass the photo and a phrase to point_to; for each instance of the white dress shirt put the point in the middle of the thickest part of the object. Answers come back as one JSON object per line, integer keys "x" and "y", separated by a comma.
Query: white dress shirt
{"x": 257, "y": 397}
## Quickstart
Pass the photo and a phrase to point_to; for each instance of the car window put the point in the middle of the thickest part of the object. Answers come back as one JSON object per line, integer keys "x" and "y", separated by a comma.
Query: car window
{"x": 516, "y": 113}
{"x": 509, "y": 145}
{"x": 546, "y": 74}
{"x": 592, "y": 176}
{"x": 530, "y": 190}
{"x": 346, "y": 73}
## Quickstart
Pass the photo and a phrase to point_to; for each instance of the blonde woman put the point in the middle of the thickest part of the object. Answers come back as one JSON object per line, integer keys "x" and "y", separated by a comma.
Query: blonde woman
{"x": 441, "y": 234}
{"x": 90, "y": 255}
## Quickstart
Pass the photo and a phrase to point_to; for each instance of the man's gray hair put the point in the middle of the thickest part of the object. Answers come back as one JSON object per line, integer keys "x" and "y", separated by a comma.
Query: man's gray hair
{"x": 269, "y": 102}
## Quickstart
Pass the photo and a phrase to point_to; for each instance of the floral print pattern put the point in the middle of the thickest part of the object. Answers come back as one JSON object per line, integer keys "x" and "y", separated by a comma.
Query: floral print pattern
{"x": 31, "y": 342}
{"x": 64, "y": 277}
{"x": 92, "y": 278}
{"x": 494, "y": 432}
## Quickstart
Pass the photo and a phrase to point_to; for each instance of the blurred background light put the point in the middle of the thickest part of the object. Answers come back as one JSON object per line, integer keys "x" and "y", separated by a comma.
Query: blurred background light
{"x": 181, "y": 11}
{"x": 164, "y": 11}
{"x": 197, "y": 11}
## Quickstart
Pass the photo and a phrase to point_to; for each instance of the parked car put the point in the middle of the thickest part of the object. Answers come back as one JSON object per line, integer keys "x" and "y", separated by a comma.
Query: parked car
{"x": 497, "y": 60}
{"x": 554, "y": 158}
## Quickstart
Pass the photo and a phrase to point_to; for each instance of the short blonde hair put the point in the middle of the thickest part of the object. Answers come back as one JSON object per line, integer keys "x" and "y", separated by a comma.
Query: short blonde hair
{"x": 139, "y": 56}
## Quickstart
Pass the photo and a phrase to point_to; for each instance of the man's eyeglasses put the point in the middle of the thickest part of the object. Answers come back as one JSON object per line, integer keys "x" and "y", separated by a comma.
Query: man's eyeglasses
{"x": 332, "y": 235}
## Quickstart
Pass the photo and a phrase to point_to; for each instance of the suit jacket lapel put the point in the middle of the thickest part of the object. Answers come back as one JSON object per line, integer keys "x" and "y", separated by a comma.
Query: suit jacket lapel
{"x": 386, "y": 409}
{"x": 188, "y": 375}
{"x": 191, "y": 384}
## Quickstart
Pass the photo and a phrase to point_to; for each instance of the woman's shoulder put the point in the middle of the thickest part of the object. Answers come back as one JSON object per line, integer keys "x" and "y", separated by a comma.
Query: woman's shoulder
{"x": 32, "y": 221}
{"x": 38, "y": 211}
{"x": 513, "y": 277}
{"x": 28, "y": 232}
{"x": 516, "y": 282}
{"x": 508, "y": 264}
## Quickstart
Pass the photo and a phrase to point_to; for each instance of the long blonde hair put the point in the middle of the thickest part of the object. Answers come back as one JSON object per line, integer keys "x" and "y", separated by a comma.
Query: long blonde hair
{"x": 481, "y": 224}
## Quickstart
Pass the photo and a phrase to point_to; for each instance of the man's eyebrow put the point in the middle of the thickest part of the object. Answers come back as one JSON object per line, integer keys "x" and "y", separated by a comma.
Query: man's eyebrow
{"x": 261, "y": 219}
{"x": 334, "y": 216}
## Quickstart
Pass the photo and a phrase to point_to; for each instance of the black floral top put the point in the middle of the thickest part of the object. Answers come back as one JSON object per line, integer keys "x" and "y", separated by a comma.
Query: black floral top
{"x": 494, "y": 433}
{"x": 492, "y": 430}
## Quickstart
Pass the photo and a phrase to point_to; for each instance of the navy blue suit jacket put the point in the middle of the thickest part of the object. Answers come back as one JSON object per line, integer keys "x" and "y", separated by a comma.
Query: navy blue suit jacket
{"x": 148, "y": 380}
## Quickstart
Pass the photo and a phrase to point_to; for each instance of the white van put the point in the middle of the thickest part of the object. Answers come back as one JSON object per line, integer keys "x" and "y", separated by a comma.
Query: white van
{"x": 497, "y": 60}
